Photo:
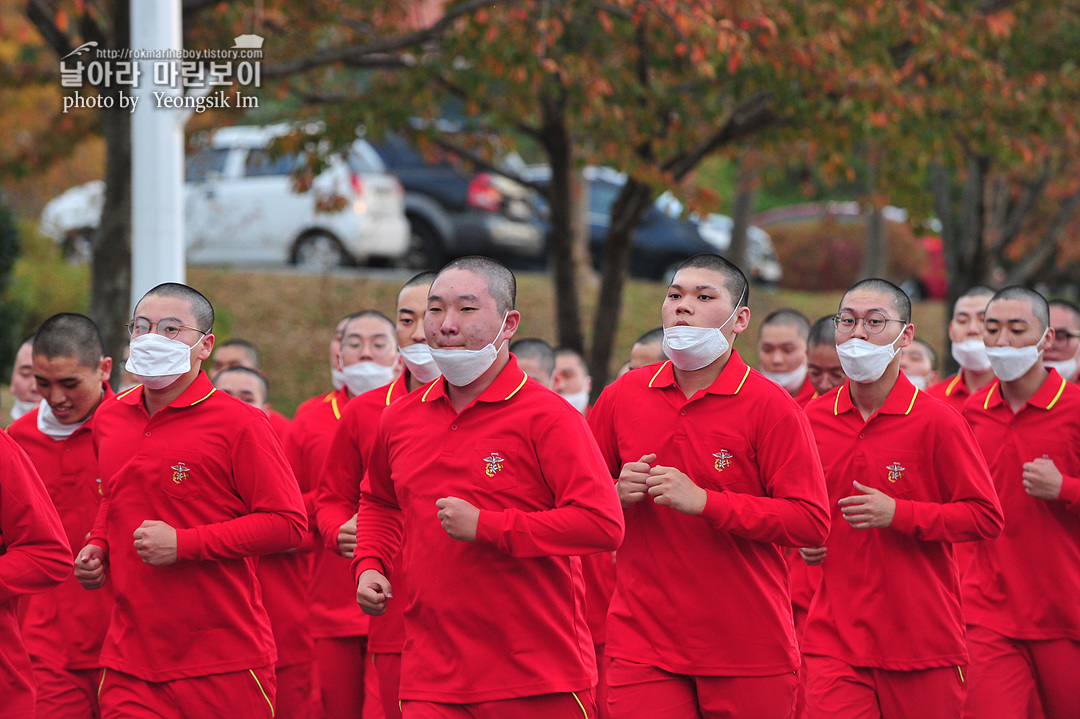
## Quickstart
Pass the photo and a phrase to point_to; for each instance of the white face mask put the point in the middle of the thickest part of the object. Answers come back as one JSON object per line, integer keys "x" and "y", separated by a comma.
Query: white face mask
{"x": 791, "y": 381}
{"x": 462, "y": 367}
{"x": 366, "y": 375}
{"x": 971, "y": 355}
{"x": 21, "y": 407}
{"x": 864, "y": 361}
{"x": 158, "y": 361}
{"x": 1012, "y": 363}
{"x": 420, "y": 362}
{"x": 49, "y": 425}
{"x": 691, "y": 348}
{"x": 578, "y": 400}
{"x": 1065, "y": 368}
{"x": 920, "y": 381}
{"x": 337, "y": 378}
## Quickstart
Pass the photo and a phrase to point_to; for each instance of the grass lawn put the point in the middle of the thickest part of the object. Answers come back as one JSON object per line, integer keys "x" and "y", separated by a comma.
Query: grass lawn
{"x": 290, "y": 317}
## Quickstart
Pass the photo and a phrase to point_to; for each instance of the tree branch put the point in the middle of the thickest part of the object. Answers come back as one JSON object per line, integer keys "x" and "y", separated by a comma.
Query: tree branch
{"x": 474, "y": 159}
{"x": 352, "y": 53}
{"x": 1033, "y": 260}
{"x": 456, "y": 90}
{"x": 1033, "y": 190}
{"x": 754, "y": 113}
{"x": 41, "y": 15}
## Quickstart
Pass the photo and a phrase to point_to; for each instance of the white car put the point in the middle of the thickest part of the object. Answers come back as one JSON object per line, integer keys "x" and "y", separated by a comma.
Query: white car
{"x": 240, "y": 207}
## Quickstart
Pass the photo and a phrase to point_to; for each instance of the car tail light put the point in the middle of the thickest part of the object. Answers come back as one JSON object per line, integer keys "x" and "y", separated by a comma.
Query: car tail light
{"x": 357, "y": 184}
{"x": 482, "y": 194}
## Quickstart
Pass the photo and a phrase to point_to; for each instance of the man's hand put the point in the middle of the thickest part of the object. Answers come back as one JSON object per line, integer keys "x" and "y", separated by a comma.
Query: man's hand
{"x": 1042, "y": 480}
{"x": 372, "y": 592}
{"x": 346, "y": 538}
{"x": 671, "y": 488}
{"x": 870, "y": 509}
{"x": 633, "y": 480}
{"x": 155, "y": 543}
{"x": 459, "y": 518}
{"x": 813, "y": 556}
{"x": 90, "y": 567}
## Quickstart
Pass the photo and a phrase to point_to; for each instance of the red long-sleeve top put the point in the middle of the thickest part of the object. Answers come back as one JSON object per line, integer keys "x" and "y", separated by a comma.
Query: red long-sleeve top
{"x": 721, "y": 575}
{"x": 1025, "y": 583}
{"x": 503, "y": 616}
{"x": 876, "y": 582}
{"x": 66, "y": 625}
{"x": 210, "y": 466}
{"x": 34, "y": 557}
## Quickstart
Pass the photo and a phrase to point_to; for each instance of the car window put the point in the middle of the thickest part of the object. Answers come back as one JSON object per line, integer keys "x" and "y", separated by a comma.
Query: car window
{"x": 203, "y": 162}
{"x": 362, "y": 158}
{"x": 396, "y": 153}
{"x": 261, "y": 163}
{"x": 602, "y": 196}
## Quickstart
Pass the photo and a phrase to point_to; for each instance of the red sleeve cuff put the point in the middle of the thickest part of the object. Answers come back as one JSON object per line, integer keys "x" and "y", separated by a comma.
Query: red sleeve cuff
{"x": 365, "y": 563}
{"x": 489, "y": 526}
{"x": 716, "y": 509}
{"x": 188, "y": 544}
{"x": 904, "y": 518}
{"x": 1070, "y": 492}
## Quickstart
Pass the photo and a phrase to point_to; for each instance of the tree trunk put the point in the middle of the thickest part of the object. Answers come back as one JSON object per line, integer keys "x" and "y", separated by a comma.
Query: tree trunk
{"x": 110, "y": 283}
{"x": 874, "y": 255}
{"x": 562, "y": 196}
{"x": 743, "y": 208}
{"x": 626, "y": 212}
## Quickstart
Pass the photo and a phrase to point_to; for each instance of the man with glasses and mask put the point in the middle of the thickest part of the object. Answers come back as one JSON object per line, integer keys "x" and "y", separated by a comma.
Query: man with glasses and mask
{"x": 965, "y": 336}
{"x": 885, "y": 633}
{"x": 368, "y": 358}
{"x": 339, "y": 488}
{"x": 716, "y": 469}
{"x": 495, "y": 503}
{"x": 1020, "y": 590}
{"x": 1062, "y": 353}
{"x": 195, "y": 486}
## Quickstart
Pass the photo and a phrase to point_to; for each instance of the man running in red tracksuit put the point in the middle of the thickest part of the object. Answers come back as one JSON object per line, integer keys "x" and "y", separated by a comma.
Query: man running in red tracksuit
{"x": 64, "y": 628}
{"x": 340, "y": 486}
{"x": 885, "y": 632}
{"x": 715, "y": 466}
{"x": 195, "y": 487}
{"x": 505, "y": 490}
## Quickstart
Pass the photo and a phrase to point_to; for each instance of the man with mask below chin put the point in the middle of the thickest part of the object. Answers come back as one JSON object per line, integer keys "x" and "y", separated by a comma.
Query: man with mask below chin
{"x": 965, "y": 336}
{"x": 339, "y": 488}
{"x": 906, "y": 480}
{"x": 195, "y": 485}
{"x": 1020, "y": 590}
{"x": 716, "y": 470}
{"x": 368, "y": 358}
{"x": 1062, "y": 353}
{"x": 782, "y": 347}
{"x": 572, "y": 380}
{"x": 63, "y": 628}
{"x": 23, "y": 388}
{"x": 505, "y": 489}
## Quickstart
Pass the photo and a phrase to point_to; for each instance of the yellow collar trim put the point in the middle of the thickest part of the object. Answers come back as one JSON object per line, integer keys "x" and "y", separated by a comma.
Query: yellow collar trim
{"x": 912, "y": 402}
{"x": 524, "y": 379}
{"x": 952, "y": 385}
{"x": 1057, "y": 396}
{"x": 334, "y": 406}
{"x": 665, "y": 364}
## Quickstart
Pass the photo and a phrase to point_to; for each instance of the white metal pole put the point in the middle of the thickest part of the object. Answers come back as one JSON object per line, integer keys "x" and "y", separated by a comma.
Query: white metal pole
{"x": 157, "y": 155}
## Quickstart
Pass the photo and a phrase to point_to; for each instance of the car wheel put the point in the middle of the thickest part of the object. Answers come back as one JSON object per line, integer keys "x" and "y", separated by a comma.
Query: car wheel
{"x": 319, "y": 251}
{"x": 424, "y": 252}
{"x": 79, "y": 247}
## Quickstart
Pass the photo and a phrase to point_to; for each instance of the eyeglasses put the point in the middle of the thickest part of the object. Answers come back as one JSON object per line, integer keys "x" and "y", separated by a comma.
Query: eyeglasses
{"x": 1063, "y": 336}
{"x": 874, "y": 322}
{"x": 169, "y": 327}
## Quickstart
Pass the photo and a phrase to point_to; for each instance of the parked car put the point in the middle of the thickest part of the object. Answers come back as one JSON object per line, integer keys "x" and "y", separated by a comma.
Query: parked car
{"x": 453, "y": 213}
{"x": 240, "y": 207}
{"x": 664, "y": 238}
